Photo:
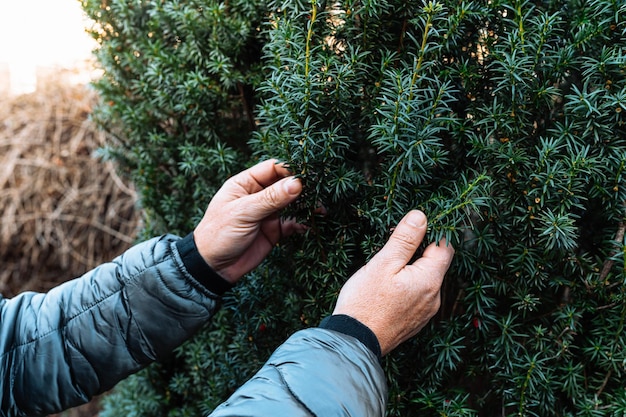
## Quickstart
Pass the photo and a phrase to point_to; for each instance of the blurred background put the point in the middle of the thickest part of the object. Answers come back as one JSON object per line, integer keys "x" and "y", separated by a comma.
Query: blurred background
{"x": 37, "y": 36}
{"x": 63, "y": 210}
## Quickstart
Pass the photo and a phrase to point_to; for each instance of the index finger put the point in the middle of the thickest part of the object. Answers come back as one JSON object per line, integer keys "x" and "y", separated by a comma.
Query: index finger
{"x": 262, "y": 175}
{"x": 436, "y": 258}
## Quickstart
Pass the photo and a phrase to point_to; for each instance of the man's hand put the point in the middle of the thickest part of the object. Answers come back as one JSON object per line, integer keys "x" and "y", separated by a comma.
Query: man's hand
{"x": 394, "y": 299}
{"x": 241, "y": 224}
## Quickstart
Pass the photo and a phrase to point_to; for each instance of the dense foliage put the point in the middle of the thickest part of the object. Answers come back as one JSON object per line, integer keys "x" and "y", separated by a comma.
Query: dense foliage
{"x": 502, "y": 120}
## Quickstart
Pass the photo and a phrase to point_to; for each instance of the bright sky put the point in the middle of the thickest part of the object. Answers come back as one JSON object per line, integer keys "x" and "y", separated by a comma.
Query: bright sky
{"x": 42, "y": 33}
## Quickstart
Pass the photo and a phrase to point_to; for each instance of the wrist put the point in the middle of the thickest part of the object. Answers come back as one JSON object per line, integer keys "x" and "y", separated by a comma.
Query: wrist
{"x": 350, "y": 326}
{"x": 197, "y": 266}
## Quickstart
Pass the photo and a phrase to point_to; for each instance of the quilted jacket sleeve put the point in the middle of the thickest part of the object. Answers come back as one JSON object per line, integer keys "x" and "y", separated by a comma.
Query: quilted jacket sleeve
{"x": 61, "y": 348}
{"x": 316, "y": 372}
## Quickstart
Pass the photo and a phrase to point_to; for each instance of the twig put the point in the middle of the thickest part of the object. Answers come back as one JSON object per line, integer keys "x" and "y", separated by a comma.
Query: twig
{"x": 608, "y": 265}
{"x": 606, "y": 380}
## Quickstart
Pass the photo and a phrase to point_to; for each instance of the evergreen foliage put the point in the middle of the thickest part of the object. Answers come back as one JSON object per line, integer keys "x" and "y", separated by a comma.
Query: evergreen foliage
{"x": 503, "y": 120}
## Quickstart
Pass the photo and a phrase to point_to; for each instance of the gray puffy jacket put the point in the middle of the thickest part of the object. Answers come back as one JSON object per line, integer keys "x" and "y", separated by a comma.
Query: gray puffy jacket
{"x": 315, "y": 373}
{"x": 78, "y": 340}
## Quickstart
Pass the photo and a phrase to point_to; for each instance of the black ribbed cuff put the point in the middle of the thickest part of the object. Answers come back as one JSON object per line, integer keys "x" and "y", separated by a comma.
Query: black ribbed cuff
{"x": 199, "y": 269}
{"x": 352, "y": 327}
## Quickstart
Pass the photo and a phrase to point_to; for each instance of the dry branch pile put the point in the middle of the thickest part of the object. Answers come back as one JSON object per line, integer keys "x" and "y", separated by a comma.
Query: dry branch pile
{"x": 63, "y": 211}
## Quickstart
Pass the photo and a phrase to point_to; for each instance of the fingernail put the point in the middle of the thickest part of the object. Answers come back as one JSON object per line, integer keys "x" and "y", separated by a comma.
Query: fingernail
{"x": 292, "y": 186}
{"x": 416, "y": 219}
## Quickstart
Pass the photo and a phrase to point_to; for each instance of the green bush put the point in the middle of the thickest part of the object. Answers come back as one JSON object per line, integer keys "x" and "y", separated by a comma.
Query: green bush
{"x": 502, "y": 120}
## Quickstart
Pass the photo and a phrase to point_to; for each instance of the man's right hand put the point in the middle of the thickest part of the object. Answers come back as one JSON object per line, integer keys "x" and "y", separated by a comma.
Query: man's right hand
{"x": 391, "y": 297}
{"x": 241, "y": 224}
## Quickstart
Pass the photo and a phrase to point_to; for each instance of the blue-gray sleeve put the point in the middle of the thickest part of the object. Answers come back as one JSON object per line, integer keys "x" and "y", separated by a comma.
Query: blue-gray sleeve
{"x": 316, "y": 372}
{"x": 78, "y": 340}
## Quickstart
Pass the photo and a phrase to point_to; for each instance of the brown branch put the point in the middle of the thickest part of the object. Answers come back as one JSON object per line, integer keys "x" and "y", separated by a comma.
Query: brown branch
{"x": 608, "y": 265}
{"x": 606, "y": 381}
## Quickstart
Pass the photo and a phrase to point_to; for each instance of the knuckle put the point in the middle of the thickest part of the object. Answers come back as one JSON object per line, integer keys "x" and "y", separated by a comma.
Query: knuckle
{"x": 436, "y": 303}
{"x": 405, "y": 239}
{"x": 271, "y": 198}
{"x": 433, "y": 297}
{"x": 433, "y": 306}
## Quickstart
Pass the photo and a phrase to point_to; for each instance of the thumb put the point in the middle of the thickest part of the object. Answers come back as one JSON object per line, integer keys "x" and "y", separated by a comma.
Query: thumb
{"x": 403, "y": 242}
{"x": 272, "y": 198}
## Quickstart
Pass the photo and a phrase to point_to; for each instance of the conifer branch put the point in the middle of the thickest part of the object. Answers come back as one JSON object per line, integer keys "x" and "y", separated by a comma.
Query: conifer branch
{"x": 520, "y": 21}
{"x": 309, "y": 37}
